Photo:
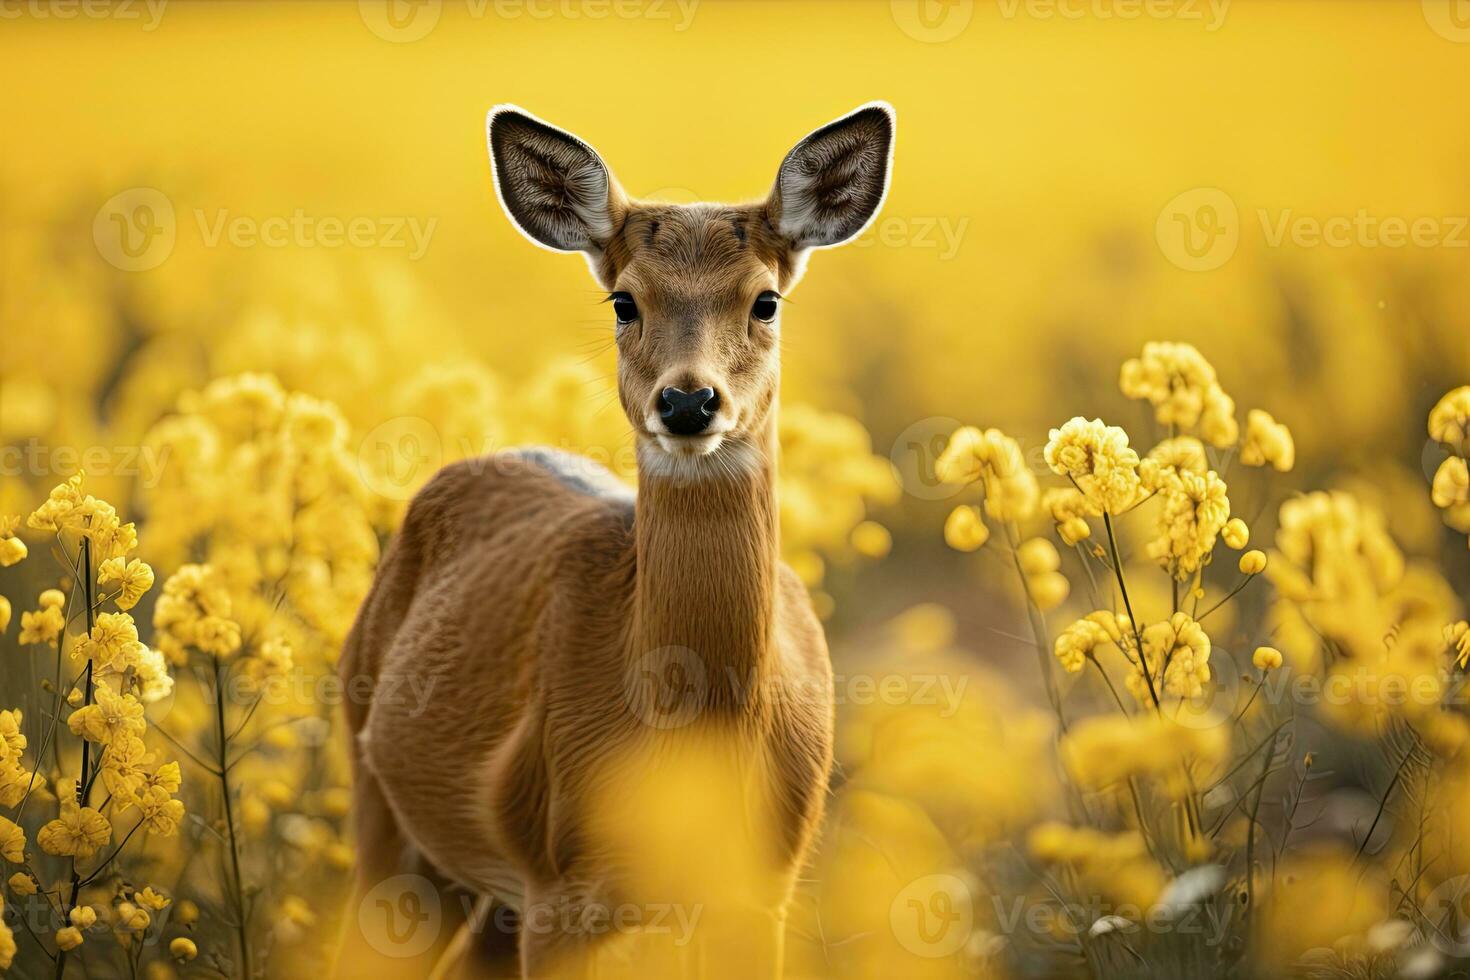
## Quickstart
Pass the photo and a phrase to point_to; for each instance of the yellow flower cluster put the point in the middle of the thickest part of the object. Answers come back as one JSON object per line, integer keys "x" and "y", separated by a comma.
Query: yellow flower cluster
{"x": 1098, "y": 459}
{"x": 1183, "y": 389}
{"x": 1041, "y": 565}
{"x": 1449, "y": 424}
{"x": 1069, "y": 510}
{"x": 1341, "y": 578}
{"x": 1193, "y": 512}
{"x": 265, "y": 482}
{"x": 15, "y": 779}
{"x": 1118, "y": 865}
{"x": 995, "y": 460}
{"x": 1176, "y": 652}
{"x": 1267, "y": 441}
{"x": 1102, "y": 751}
{"x": 194, "y": 612}
{"x": 829, "y": 478}
{"x": 67, "y": 509}
{"x": 12, "y": 548}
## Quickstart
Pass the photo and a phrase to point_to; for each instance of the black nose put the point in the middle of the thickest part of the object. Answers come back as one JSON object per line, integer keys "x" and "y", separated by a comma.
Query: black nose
{"x": 687, "y": 413}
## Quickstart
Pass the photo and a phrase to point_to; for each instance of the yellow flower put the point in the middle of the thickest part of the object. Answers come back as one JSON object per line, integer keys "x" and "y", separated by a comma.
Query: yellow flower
{"x": 1075, "y": 643}
{"x": 1097, "y": 458}
{"x": 965, "y": 529}
{"x": 4, "y": 614}
{"x": 52, "y": 599}
{"x": 1457, "y": 638}
{"x": 7, "y": 943}
{"x": 68, "y": 938}
{"x": 1048, "y": 590}
{"x": 1180, "y": 649}
{"x": 78, "y": 832}
{"x": 162, "y": 812}
{"x": 186, "y": 913}
{"x": 83, "y": 917}
{"x": 1174, "y": 377}
{"x": 1038, "y": 556}
{"x": 1266, "y": 658}
{"x": 1236, "y": 533}
{"x": 960, "y": 460}
{"x": 218, "y": 636}
{"x": 113, "y": 643}
{"x": 183, "y": 948}
{"x": 12, "y": 550}
{"x": 1070, "y": 510}
{"x": 111, "y": 717}
{"x": 152, "y": 899}
{"x": 12, "y": 841}
{"x": 133, "y": 578}
{"x": 1449, "y": 421}
{"x": 1195, "y": 510}
{"x": 1163, "y": 464}
{"x": 132, "y": 918}
{"x": 1267, "y": 441}
{"x": 22, "y": 884}
{"x": 1011, "y": 490}
{"x": 1253, "y": 562}
{"x": 1451, "y": 485}
{"x": 42, "y": 626}
{"x": 871, "y": 539}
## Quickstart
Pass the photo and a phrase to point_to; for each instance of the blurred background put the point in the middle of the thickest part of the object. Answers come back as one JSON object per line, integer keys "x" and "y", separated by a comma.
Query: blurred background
{"x": 192, "y": 191}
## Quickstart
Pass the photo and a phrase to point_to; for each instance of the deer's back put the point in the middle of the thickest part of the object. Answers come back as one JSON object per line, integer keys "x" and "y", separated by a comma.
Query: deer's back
{"x": 466, "y": 596}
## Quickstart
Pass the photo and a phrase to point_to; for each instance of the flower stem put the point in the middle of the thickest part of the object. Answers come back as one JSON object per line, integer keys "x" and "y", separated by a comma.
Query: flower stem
{"x": 1128, "y": 605}
{"x": 224, "y": 778}
{"x": 84, "y": 784}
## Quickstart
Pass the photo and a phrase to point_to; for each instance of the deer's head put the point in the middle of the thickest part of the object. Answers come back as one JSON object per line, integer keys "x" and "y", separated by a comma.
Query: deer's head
{"x": 695, "y": 289}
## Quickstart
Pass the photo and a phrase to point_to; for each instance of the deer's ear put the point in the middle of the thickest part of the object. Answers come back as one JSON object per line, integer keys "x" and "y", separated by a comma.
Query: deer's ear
{"x": 831, "y": 184}
{"x": 554, "y": 187}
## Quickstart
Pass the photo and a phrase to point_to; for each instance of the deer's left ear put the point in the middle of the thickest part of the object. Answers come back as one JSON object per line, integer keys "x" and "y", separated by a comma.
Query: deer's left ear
{"x": 832, "y": 184}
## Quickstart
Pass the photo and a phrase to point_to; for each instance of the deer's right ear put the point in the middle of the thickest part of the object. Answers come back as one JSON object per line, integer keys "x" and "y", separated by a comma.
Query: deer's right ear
{"x": 554, "y": 187}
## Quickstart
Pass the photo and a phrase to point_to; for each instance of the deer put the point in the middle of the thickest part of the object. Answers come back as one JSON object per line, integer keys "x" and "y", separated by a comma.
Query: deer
{"x": 532, "y": 595}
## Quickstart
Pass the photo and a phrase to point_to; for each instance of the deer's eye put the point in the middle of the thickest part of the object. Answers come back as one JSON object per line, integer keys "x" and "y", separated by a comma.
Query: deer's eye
{"x": 624, "y": 308}
{"x": 764, "y": 309}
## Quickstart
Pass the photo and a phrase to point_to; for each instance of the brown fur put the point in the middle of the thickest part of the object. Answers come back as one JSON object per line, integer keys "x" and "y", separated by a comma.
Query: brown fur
{"x": 527, "y": 594}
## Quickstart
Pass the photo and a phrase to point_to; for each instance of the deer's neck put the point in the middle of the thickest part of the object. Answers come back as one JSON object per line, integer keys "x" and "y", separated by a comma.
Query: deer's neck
{"x": 706, "y": 565}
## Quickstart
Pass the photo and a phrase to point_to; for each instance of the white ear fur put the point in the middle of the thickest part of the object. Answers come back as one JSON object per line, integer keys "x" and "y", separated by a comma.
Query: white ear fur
{"x": 553, "y": 186}
{"x": 833, "y": 183}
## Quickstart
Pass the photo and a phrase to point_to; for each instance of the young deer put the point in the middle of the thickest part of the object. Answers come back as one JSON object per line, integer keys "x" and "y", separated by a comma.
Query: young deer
{"x": 532, "y": 596}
